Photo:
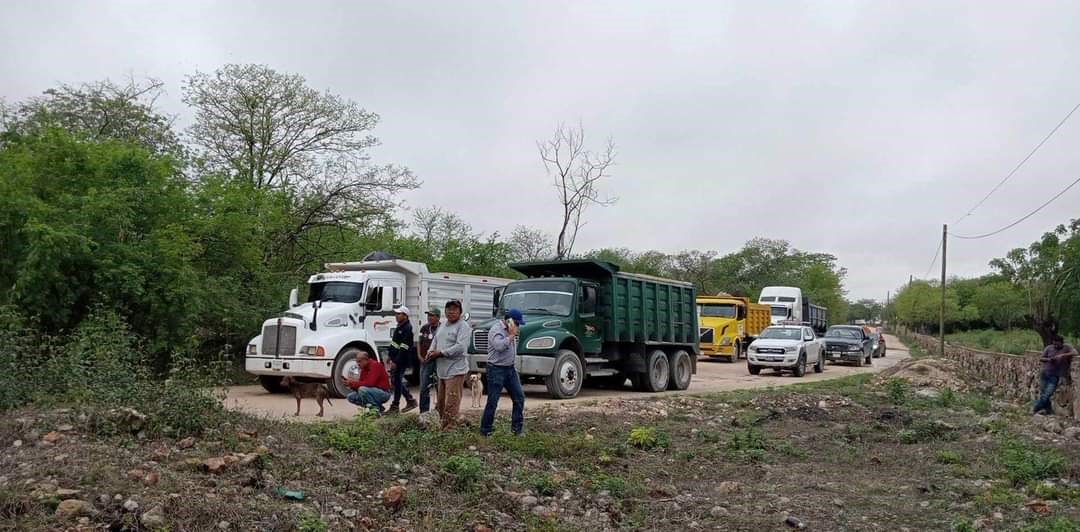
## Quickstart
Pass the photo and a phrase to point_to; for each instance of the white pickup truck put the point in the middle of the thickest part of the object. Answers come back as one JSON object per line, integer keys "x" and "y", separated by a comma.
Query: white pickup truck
{"x": 350, "y": 309}
{"x": 786, "y": 347}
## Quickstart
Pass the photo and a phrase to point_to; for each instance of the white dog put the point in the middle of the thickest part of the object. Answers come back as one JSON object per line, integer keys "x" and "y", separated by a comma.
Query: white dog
{"x": 477, "y": 389}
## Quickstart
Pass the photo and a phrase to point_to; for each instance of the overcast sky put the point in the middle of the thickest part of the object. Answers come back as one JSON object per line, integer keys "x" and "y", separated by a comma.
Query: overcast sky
{"x": 855, "y": 128}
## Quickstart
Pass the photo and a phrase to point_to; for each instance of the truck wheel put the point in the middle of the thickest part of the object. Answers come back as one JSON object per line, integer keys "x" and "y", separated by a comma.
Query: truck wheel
{"x": 344, "y": 366}
{"x": 859, "y": 362}
{"x": 272, "y": 384}
{"x": 566, "y": 378}
{"x": 869, "y": 362}
{"x": 800, "y": 367}
{"x": 658, "y": 372}
{"x": 754, "y": 370}
{"x": 681, "y": 371}
{"x": 739, "y": 352}
{"x": 820, "y": 365}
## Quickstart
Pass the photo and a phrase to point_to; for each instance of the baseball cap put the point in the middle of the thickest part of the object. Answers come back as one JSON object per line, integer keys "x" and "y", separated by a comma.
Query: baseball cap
{"x": 516, "y": 315}
{"x": 402, "y": 310}
{"x": 434, "y": 311}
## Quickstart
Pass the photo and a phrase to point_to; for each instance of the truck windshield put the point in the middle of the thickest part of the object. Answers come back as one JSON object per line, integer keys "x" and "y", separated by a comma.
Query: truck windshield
{"x": 779, "y": 311}
{"x": 844, "y": 333}
{"x": 339, "y": 291}
{"x": 717, "y": 311}
{"x": 781, "y": 333}
{"x": 554, "y": 298}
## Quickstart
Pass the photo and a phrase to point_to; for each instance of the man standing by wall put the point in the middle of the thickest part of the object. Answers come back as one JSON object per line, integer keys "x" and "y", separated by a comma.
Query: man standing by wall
{"x": 427, "y": 368}
{"x": 1055, "y": 365}
{"x": 402, "y": 353}
{"x": 502, "y": 352}
{"x": 448, "y": 350}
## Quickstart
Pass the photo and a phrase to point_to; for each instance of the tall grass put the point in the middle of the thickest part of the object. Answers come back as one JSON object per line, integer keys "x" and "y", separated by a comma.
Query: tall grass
{"x": 1015, "y": 341}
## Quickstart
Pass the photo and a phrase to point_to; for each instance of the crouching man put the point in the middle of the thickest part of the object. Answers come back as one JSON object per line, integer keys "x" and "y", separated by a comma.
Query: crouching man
{"x": 372, "y": 389}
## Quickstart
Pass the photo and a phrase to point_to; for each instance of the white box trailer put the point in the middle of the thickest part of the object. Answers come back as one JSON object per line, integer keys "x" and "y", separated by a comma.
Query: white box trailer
{"x": 350, "y": 309}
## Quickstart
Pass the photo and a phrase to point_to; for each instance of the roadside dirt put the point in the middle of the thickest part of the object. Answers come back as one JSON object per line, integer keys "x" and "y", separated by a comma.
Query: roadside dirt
{"x": 712, "y": 376}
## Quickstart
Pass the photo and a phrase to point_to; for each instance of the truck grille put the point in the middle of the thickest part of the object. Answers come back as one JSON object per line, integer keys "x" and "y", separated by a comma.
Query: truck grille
{"x": 480, "y": 341}
{"x": 706, "y": 334}
{"x": 270, "y": 345}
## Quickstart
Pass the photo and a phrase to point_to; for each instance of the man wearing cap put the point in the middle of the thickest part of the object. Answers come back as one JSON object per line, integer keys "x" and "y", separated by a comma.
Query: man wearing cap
{"x": 452, "y": 364}
{"x": 427, "y": 368}
{"x": 501, "y": 373}
{"x": 402, "y": 351}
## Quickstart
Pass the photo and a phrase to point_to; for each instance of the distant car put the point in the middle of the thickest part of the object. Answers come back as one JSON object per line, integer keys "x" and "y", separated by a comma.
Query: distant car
{"x": 848, "y": 343}
{"x": 877, "y": 340}
{"x": 786, "y": 347}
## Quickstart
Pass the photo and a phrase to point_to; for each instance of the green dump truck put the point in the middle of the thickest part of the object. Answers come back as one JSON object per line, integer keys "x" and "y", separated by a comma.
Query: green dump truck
{"x": 586, "y": 319}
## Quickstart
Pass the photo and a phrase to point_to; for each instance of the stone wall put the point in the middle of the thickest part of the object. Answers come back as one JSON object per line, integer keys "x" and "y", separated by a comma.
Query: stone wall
{"x": 1014, "y": 377}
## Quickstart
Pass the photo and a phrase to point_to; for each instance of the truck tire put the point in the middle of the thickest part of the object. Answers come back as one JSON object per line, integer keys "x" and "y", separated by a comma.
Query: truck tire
{"x": 740, "y": 352}
{"x": 342, "y": 364}
{"x": 566, "y": 378}
{"x": 272, "y": 384}
{"x": 681, "y": 371}
{"x": 754, "y": 370}
{"x": 859, "y": 362}
{"x": 869, "y": 360}
{"x": 800, "y": 367}
{"x": 820, "y": 365}
{"x": 657, "y": 373}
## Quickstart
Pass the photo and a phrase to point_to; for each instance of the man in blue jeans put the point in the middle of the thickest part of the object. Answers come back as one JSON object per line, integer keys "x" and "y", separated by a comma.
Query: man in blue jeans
{"x": 427, "y": 368}
{"x": 502, "y": 352}
{"x": 1055, "y": 360}
{"x": 372, "y": 389}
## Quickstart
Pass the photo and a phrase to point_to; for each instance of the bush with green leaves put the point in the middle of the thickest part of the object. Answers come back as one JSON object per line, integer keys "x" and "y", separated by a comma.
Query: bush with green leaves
{"x": 1024, "y": 462}
{"x": 467, "y": 471}
{"x": 648, "y": 438}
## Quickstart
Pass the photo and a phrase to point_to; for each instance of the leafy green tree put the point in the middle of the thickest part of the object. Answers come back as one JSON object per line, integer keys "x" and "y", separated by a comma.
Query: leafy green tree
{"x": 1000, "y": 304}
{"x": 1046, "y": 271}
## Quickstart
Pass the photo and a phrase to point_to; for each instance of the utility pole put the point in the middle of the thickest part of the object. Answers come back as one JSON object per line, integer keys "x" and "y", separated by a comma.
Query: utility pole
{"x": 941, "y": 323}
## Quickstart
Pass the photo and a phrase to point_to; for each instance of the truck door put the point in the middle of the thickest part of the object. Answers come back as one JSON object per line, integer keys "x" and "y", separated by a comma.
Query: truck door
{"x": 379, "y": 311}
{"x": 590, "y": 334}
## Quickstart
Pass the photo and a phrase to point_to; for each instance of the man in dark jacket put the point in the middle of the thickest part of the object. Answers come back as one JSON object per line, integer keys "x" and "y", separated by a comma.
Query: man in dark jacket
{"x": 402, "y": 352}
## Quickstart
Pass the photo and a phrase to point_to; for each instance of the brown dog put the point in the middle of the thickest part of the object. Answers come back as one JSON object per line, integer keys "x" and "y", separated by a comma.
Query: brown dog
{"x": 314, "y": 390}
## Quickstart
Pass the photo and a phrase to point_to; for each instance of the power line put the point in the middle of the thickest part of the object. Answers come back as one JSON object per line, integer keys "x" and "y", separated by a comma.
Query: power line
{"x": 1017, "y": 167}
{"x": 1025, "y": 217}
{"x": 933, "y": 261}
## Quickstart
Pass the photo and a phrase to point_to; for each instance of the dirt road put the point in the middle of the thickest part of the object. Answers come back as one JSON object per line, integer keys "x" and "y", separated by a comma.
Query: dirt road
{"x": 712, "y": 376}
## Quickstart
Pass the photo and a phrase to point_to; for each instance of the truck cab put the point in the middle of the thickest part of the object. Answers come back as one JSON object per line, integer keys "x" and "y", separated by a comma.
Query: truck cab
{"x": 786, "y": 303}
{"x": 728, "y": 324}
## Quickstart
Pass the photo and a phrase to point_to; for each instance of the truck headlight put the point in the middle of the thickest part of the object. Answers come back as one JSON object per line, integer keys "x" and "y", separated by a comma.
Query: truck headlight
{"x": 543, "y": 342}
{"x": 752, "y": 349}
{"x": 313, "y": 350}
{"x": 252, "y": 349}
{"x": 789, "y": 349}
{"x": 725, "y": 341}
{"x": 854, "y": 348}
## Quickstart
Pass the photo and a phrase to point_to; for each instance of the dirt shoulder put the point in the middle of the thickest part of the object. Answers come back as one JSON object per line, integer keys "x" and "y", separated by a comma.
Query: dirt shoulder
{"x": 864, "y": 452}
{"x": 712, "y": 376}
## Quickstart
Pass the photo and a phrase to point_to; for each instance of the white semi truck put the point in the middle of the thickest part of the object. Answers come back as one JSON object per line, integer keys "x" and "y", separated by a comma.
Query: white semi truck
{"x": 789, "y": 304}
{"x": 350, "y": 309}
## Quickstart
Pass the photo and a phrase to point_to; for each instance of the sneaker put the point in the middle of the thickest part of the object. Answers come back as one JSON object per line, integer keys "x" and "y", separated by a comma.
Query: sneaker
{"x": 392, "y": 410}
{"x": 409, "y": 406}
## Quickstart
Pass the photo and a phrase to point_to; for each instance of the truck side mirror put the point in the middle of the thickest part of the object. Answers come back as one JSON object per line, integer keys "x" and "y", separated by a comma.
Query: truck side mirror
{"x": 294, "y": 298}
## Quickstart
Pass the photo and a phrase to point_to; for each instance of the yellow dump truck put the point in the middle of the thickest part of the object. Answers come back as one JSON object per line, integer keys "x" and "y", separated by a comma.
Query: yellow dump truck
{"x": 727, "y": 324}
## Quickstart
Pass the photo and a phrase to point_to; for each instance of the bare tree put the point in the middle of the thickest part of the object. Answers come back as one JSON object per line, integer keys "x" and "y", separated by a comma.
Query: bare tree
{"x": 577, "y": 172}
{"x": 274, "y": 132}
{"x": 529, "y": 244}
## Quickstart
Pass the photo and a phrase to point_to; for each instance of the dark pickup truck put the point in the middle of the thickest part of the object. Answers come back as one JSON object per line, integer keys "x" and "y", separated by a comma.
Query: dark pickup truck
{"x": 848, "y": 343}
